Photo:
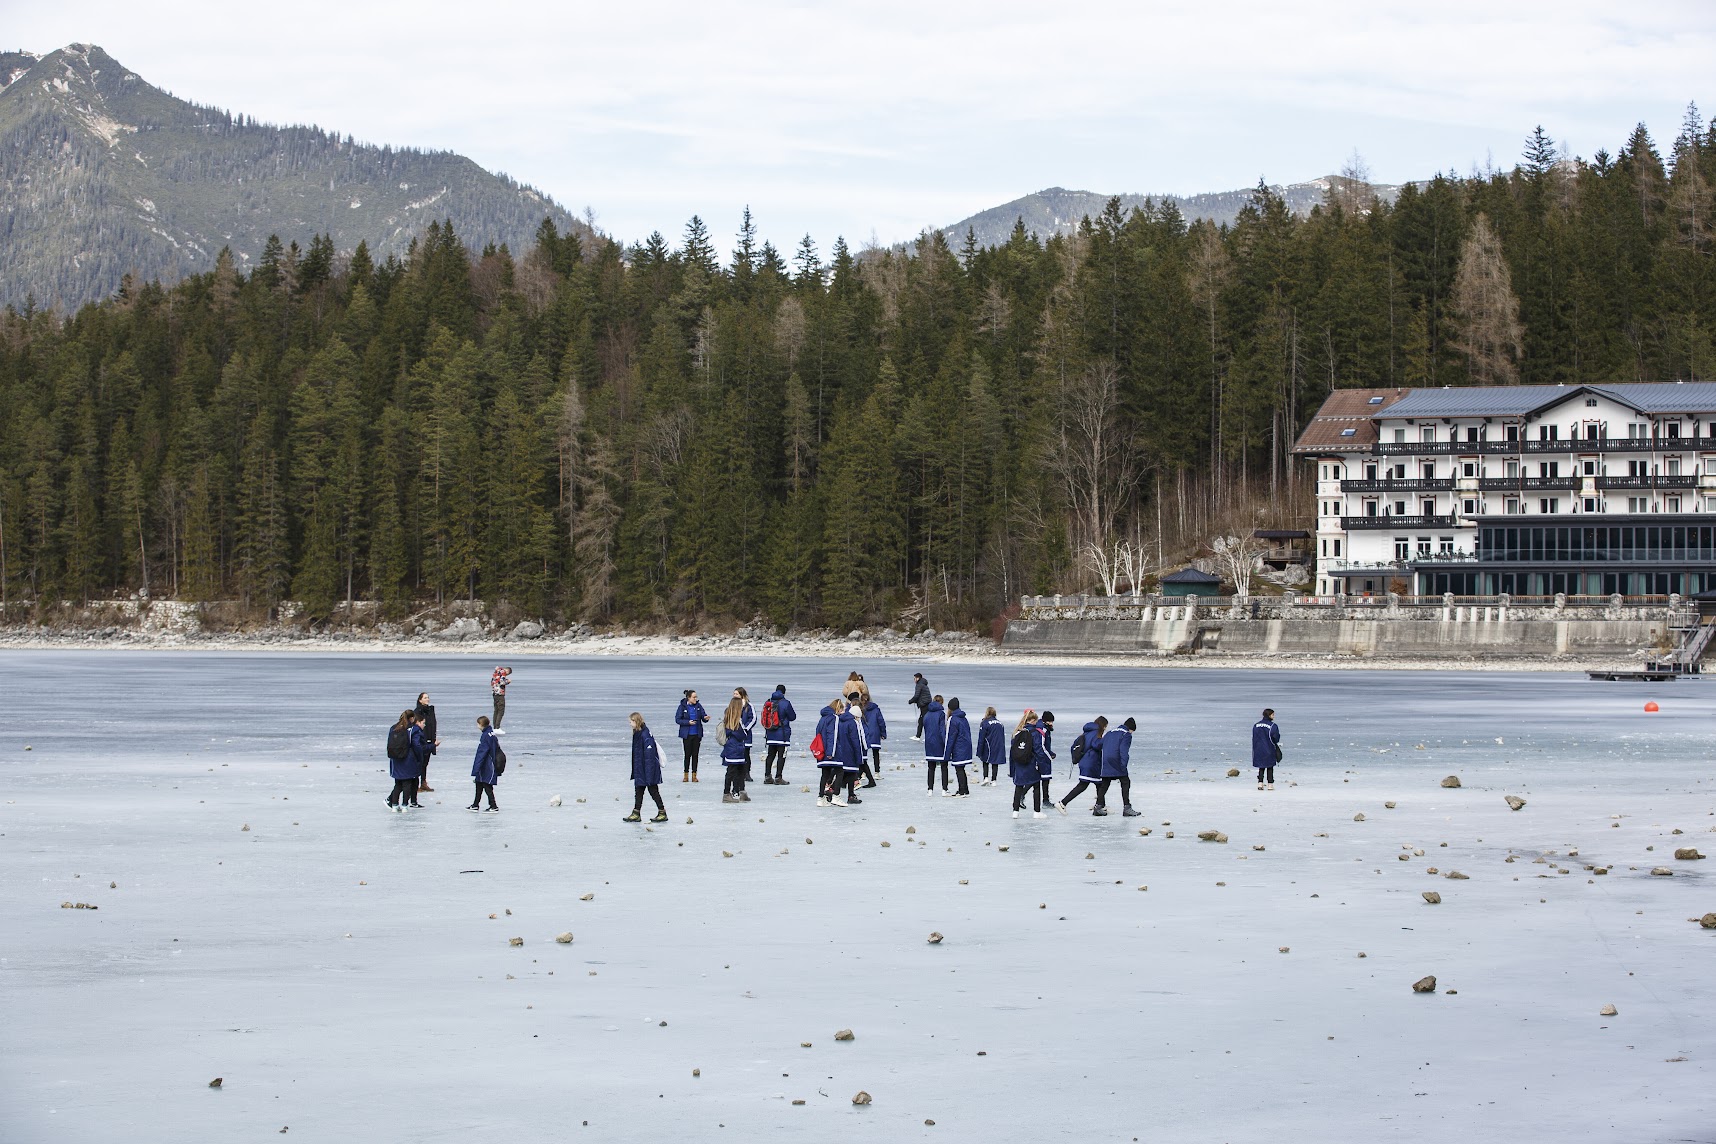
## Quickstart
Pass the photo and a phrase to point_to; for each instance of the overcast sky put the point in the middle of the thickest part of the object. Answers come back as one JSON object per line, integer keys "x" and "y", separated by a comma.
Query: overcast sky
{"x": 880, "y": 118}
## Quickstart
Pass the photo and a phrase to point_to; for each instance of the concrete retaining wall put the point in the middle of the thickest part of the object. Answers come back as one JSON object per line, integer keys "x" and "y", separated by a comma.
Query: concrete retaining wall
{"x": 1221, "y": 635}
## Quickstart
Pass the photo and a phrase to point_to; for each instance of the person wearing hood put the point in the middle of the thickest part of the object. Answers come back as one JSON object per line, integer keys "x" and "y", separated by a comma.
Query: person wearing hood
{"x": 427, "y": 710}
{"x": 1046, "y": 761}
{"x": 1024, "y": 756}
{"x": 833, "y": 776}
{"x": 1265, "y": 748}
{"x": 736, "y": 751}
{"x": 1116, "y": 764}
{"x": 1087, "y": 757}
{"x": 920, "y": 700}
{"x": 935, "y": 741}
{"x": 958, "y": 746}
{"x": 646, "y": 771}
{"x": 483, "y": 772}
{"x": 778, "y": 716}
{"x": 691, "y": 716}
{"x": 991, "y": 746}
{"x": 875, "y": 734}
{"x": 850, "y": 737}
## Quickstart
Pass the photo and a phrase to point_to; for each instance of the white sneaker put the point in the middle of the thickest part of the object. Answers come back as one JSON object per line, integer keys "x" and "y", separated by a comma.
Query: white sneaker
{"x": 498, "y": 731}
{"x": 947, "y": 794}
{"x": 1259, "y": 786}
{"x": 839, "y": 800}
{"x": 1061, "y": 806}
{"x": 1015, "y": 814}
{"x": 1271, "y": 786}
{"x": 1038, "y": 814}
{"x": 930, "y": 792}
{"x": 821, "y": 801}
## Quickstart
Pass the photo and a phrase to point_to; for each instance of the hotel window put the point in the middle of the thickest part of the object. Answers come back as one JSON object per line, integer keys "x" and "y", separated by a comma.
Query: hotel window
{"x": 1638, "y": 468}
{"x": 1337, "y": 546}
{"x": 1325, "y": 546}
{"x": 1710, "y": 504}
{"x": 1428, "y": 470}
{"x": 1428, "y": 506}
{"x": 1590, "y": 403}
{"x": 1674, "y": 429}
{"x": 1636, "y": 431}
{"x": 1590, "y": 504}
{"x": 1400, "y": 436}
{"x": 1513, "y": 469}
{"x": 1673, "y": 464}
{"x": 1469, "y": 507}
{"x": 1370, "y": 508}
{"x": 1549, "y": 506}
{"x": 1513, "y": 432}
{"x": 1397, "y": 473}
{"x": 1445, "y": 546}
{"x": 1673, "y": 504}
{"x": 1710, "y": 462}
{"x": 1370, "y": 472}
{"x": 1470, "y": 469}
{"x": 1402, "y": 548}
{"x": 1638, "y": 504}
{"x": 1423, "y": 546}
{"x": 1549, "y": 432}
{"x": 1590, "y": 468}
{"x": 1427, "y": 433}
{"x": 1590, "y": 431}
{"x": 1511, "y": 507}
{"x": 1471, "y": 432}
{"x": 1399, "y": 508}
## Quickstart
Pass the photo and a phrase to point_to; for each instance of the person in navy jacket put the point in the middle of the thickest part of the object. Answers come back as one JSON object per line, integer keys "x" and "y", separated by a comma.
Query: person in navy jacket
{"x": 1265, "y": 748}
{"x": 991, "y": 746}
{"x": 1028, "y": 774}
{"x": 736, "y": 751}
{"x": 958, "y": 745}
{"x": 875, "y": 734}
{"x": 850, "y": 736}
{"x": 483, "y": 766}
{"x": 400, "y": 767}
{"x": 422, "y": 746}
{"x": 1046, "y": 762}
{"x": 748, "y": 721}
{"x": 833, "y": 775}
{"x": 1116, "y": 764}
{"x": 935, "y": 741}
{"x": 778, "y": 738}
{"x": 691, "y": 716}
{"x": 646, "y": 771}
{"x": 1089, "y": 765}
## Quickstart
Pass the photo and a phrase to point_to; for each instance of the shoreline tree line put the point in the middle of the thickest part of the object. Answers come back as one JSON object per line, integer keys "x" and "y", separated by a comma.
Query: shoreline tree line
{"x": 591, "y": 431}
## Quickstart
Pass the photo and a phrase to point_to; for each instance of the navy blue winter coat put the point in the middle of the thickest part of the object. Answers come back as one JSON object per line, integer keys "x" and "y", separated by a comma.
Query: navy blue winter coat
{"x": 1090, "y": 763}
{"x": 875, "y": 727}
{"x": 827, "y": 725}
{"x": 992, "y": 742}
{"x": 733, "y": 750}
{"x": 416, "y": 757}
{"x": 1265, "y": 735}
{"x": 646, "y": 758}
{"x": 1116, "y": 753}
{"x": 690, "y": 717}
{"x": 849, "y": 742}
{"x": 935, "y": 732}
{"x": 1045, "y": 752}
{"x": 1026, "y": 775}
{"x": 958, "y": 738}
{"x": 783, "y": 706}
{"x": 748, "y": 722}
{"x": 483, "y": 766}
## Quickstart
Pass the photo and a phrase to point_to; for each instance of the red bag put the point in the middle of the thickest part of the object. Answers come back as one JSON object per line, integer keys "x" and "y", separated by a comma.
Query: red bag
{"x": 817, "y": 750}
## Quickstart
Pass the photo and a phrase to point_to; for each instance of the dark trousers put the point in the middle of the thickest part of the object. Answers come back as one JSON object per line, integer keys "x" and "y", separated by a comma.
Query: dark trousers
{"x": 747, "y": 764}
{"x": 1265, "y": 774}
{"x": 1036, "y": 790}
{"x": 735, "y": 781}
{"x": 991, "y": 771}
{"x": 404, "y": 790}
{"x": 1044, "y": 784}
{"x": 832, "y": 780}
{"x": 482, "y": 789}
{"x": 921, "y": 713}
{"x": 959, "y": 771}
{"x": 932, "y": 764}
{"x": 1079, "y": 789}
{"x": 500, "y": 709}
{"x": 1125, "y": 790}
{"x": 774, "y": 763}
{"x": 692, "y": 744}
{"x": 637, "y": 802}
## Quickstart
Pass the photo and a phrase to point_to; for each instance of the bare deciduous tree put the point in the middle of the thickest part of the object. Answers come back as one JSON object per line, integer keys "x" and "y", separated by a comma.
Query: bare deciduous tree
{"x": 1094, "y": 455}
{"x": 1486, "y": 312}
{"x": 1239, "y": 557}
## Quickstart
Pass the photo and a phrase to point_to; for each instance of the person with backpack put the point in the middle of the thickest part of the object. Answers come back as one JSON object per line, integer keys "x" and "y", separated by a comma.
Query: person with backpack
{"x": 778, "y": 717}
{"x": 920, "y": 700}
{"x": 427, "y": 710}
{"x": 1116, "y": 764}
{"x": 484, "y": 770}
{"x": 1022, "y": 754}
{"x": 1046, "y": 760}
{"x": 849, "y": 748}
{"x": 991, "y": 746}
{"x": 421, "y": 748}
{"x": 822, "y": 748}
{"x": 1265, "y": 748}
{"x": 400, "y": 767}
{"x": 958, "y": 746}
{"x": 736, "y": 751}
{"x": 691, "y": 716}
{"x": 875, "y": 730}
{"x": 1087, "y": 757}
{"x": 935, "y": 742}
{"x": 646, "y": 771}
{"x": 748, "y": 722}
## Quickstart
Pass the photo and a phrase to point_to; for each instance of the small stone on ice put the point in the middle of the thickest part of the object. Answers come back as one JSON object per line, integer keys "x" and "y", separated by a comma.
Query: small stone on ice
{"x": 1608, "y": 1011}
{"x": 515, "y": 941}
{"x": 1388, "y": 806}
{"x": 885, "y": 842}
{"x": 1283, "y": 949}
{"x": 1424, "y": 985}
{"x": 586, "y": 897}
{"x": 911, "y": 830}
{"x": 1211, "y": 836}
{"x": 1257, "y": 845}
{"x": 1359, "y": 817}
{"x": 798, "y": 1102}
{"x": 935, "y": 938}
{"x": 1452, "y": 782}
{"x": 726, "y": 853}
{"x": 1688, "y": 853}
{"x": 1089, "y": 857}
{"x": 1708, "y": 921}
{"x": 1662, "y": 871}
{"x": 1514, "y": 802}
{"x": 565, "y": 938}
{"x": 1233, "y": 772}
{"x": 843, "y": 1035}
{"x": 1456, "y": 876}
{"x": 804, "y": 1044}
{"x": 861, "y": 1098}
{"x": 1433, "y": 897}
{"x": 696, "y": 1072}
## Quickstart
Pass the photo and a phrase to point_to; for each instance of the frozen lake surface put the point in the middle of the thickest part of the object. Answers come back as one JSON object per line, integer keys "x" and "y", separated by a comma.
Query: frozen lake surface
{"x": 338, "y": 965}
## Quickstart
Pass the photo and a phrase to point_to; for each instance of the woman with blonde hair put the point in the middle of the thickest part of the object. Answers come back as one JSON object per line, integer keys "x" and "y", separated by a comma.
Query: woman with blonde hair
{"x": 646, "y": 771}
{"x": 1024, "y": 754}
{"x": 736, "y": 754}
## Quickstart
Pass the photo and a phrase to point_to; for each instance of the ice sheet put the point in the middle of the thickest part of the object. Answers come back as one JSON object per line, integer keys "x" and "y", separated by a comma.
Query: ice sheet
{"x": 340, "y": 971}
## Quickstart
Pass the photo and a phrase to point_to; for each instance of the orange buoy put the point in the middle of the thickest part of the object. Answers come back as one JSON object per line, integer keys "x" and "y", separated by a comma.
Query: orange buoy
{"x": 1650, "y": 706}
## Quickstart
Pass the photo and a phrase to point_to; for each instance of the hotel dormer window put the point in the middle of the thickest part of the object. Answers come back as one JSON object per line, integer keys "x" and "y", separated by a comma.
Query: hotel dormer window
{"x": 1427, "y": 433}
{"x": 1674, "y": 429}
{"x": 1400, "y": 436}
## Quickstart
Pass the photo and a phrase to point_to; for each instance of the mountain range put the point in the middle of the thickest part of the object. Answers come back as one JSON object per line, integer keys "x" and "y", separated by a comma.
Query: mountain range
{"x": 103, "y": 175}
{"x": 1058, "y": 210}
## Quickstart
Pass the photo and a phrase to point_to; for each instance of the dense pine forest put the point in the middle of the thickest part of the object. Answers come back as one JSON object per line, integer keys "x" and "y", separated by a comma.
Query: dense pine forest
{"x": 821, "y": 437}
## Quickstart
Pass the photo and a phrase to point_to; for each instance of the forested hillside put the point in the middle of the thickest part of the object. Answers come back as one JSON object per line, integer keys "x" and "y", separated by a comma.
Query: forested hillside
{"x": 604, "y": 433}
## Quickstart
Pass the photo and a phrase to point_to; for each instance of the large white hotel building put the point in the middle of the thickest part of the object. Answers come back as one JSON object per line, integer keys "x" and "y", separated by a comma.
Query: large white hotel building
{"x": 1529, "y": 490}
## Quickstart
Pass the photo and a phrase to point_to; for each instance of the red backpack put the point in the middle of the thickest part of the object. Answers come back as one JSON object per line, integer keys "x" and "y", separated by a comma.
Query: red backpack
{"x": 817, "y": 750}
{"x": 771, "y": 716}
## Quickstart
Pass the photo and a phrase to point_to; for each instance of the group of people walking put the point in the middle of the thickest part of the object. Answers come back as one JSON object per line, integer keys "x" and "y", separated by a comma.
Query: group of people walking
{"x": 412, "y": 741}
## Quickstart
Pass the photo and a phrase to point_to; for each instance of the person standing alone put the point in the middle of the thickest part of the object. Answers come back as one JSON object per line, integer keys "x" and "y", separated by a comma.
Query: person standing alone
{"x": 1265, "y": 749}
{"x": 778, "y": 717}
{"x": 920, "y": 700}
{"x": 484, "y": 770}
{"x": 646, "y": 771}
{"x": 691, "y": 716}
{"x": 497, "y": 685}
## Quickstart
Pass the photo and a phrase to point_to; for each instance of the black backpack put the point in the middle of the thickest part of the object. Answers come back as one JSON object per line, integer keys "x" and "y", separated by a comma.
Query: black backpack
{"x": 1020, "y": 753}
{"x": 1079, "y": 747}
{"x": 398, "y": 743}
{"x": 500, "y": 761}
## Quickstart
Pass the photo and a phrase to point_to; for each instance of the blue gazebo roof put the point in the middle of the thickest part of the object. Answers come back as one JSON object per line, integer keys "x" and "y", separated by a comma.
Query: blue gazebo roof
{"x": 1190, "y": 576}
